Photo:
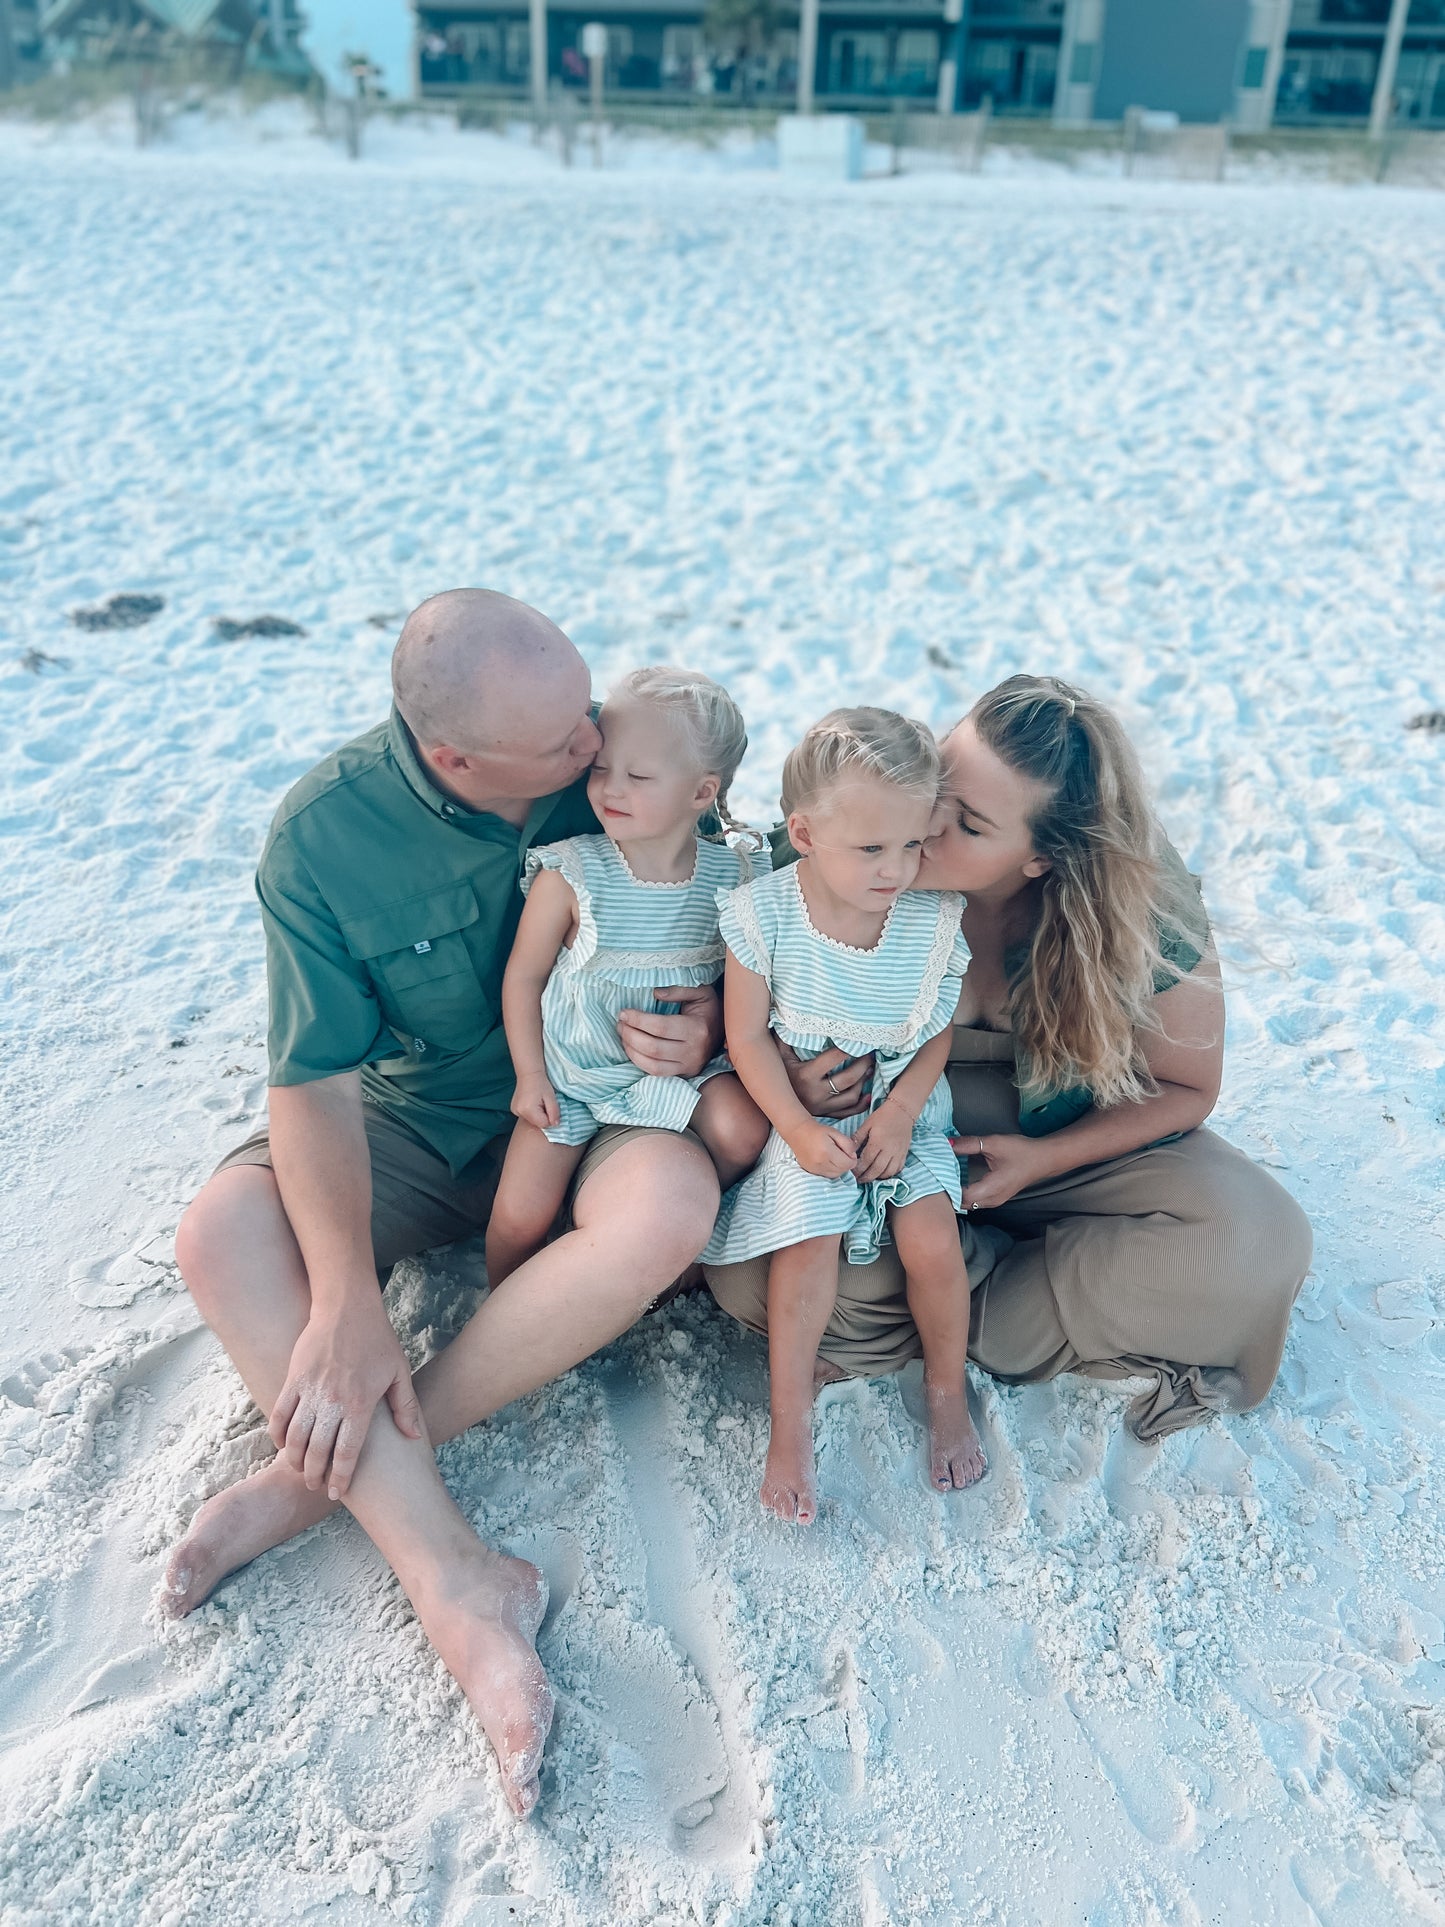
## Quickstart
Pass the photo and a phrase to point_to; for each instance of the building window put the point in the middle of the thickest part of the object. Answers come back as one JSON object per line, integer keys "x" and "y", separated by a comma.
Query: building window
{"x": 1255, "y": 62}
{"x": 858, "y": 63}
{"x": 915, "y": 61}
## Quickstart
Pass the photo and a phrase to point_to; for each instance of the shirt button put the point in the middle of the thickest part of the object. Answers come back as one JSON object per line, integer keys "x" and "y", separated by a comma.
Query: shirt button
{"x": 449, "y": 809}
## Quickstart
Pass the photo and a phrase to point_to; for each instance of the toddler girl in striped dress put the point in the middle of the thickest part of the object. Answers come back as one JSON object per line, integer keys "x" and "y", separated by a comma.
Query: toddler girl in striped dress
{"x": 607, "y": 920}
{"x": 836, "y": 952}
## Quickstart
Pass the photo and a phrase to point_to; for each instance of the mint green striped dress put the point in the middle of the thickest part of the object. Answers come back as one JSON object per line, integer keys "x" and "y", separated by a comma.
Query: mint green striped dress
{"x": 631, "y": 936}
{"x": 826, "y": 994}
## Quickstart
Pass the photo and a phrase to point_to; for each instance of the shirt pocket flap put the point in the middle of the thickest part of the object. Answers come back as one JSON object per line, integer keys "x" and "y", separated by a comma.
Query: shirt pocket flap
{"x": 408, "y": 935}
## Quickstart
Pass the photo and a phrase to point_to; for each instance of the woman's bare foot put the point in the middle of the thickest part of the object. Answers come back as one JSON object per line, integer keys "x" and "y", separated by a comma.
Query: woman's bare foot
{"x": 482, "y": 1617}
{"x": 955, "y": 1455}
{"x": 233, "y": 1528}
{"x": 790, "y": 1486}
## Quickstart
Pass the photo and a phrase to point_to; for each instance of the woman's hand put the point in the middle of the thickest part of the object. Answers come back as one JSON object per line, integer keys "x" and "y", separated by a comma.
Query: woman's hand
{"x": 535, "y": 1102}
{"x": 883, "y": 1142}
{"x": 1013, "y": 1162}
{"x": 830, "y": 1085}
{"x": 824, "y": 1152}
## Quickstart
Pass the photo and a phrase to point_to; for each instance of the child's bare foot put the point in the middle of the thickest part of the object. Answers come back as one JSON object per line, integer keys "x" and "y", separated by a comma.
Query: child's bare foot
{"x": 826, "y": 1373}
{"x": 233, "y": 1528}
{"x": 483, "y": 1620}
{"x": 790, "y": 1486}
{"x": 955, "y": 1455}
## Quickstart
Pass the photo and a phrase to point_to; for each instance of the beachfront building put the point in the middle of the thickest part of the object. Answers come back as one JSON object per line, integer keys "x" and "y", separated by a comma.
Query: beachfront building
{"x": 1248, "y": 62}
{"x": 214, "y": 37}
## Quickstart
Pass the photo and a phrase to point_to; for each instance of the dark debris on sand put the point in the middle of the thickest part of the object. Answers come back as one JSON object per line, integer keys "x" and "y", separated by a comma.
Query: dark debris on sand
{"x": 119, "y": 612}
{"x": 1432, "y": 721}
{"x": 36, "y": 660}
{"x": 228, "y": 629}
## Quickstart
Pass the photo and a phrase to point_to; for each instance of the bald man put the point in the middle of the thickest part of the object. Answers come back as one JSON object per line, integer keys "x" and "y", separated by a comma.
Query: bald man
{"x": 389, "y": 893}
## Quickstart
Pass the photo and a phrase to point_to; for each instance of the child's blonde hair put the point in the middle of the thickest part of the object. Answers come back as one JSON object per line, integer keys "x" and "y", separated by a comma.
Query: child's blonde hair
{"x": 877, "y": 743}
{"x": 709, "y": 717}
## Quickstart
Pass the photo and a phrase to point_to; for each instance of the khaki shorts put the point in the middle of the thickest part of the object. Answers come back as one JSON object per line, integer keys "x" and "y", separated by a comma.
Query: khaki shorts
{"x": 417, "y": 1203}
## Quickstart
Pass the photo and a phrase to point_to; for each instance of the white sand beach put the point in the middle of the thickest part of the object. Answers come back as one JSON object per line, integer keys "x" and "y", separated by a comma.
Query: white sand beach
{"x": 1179, "y": 443}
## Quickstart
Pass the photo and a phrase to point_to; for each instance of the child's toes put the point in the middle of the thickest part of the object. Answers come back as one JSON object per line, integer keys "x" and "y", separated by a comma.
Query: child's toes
{"x": 969, "y": 1466}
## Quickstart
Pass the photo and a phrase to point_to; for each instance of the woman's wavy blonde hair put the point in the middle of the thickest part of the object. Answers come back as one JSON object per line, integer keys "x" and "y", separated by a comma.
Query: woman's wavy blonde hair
{"x": 709, "y": 718}
{"x": 846, "y": 743}
{"x": 1095, "y": 962}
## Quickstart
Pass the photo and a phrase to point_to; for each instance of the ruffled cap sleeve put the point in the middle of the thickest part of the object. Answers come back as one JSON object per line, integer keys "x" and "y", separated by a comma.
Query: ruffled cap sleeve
{"x": 568, "y": 859}
{"x": 742, "y": 929}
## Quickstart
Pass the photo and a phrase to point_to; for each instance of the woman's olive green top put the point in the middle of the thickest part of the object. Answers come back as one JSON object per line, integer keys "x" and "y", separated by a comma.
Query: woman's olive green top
{"x": 1182, "y": 934}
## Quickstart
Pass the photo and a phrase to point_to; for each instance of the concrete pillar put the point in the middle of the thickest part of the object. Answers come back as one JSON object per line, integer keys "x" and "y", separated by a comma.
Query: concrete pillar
{"x": 1262, "y": 59}
{"x": 1080, "y": 52}
{"x": 1382, "y": 107}
{"x": 538, "y": 16}
{"x": 807, "y": 54}
{"x": 950, "y": 67}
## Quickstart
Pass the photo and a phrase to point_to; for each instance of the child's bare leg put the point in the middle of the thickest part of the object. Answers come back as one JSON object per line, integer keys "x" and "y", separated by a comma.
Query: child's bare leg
{"x": 731, "y": 1126}
{"x": 926, "y": 1234}
{"x": 530, "y": 1191}
{"x": 802, "y": 1289}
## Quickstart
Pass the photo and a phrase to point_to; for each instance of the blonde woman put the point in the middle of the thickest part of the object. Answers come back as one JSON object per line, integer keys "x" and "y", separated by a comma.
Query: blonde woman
{"x": 1107, "y": 1231}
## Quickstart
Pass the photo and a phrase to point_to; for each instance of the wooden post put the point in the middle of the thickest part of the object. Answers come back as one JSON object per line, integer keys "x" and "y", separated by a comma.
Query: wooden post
{"x": 807, "y": 54}
{"x": 538, "y": 17}
{"x": 1382, "y": 107}
{"x": 594, "y": 49}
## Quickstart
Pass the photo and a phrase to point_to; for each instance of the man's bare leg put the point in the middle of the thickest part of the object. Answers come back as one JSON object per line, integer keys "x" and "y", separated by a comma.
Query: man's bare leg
{"x": 479, "y": 1608}
{"x": 639, "y": 1220}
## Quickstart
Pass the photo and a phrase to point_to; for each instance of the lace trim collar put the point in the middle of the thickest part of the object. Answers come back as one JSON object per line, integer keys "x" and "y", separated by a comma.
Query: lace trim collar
{"x": 646, "y": 883}
{"x": 837, "y": 943}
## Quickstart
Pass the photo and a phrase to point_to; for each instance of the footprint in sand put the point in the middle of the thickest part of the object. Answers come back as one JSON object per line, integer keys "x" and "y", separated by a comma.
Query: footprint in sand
{"x": 1151, "y": 1793}
{"x": 669, "y": 1689}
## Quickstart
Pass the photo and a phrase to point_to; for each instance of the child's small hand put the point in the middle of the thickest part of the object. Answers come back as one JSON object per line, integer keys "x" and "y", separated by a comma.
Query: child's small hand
{"x": 883, "y": 1142}
{"x": 824, "y": 1152}
{"x": 535, "y": 1102}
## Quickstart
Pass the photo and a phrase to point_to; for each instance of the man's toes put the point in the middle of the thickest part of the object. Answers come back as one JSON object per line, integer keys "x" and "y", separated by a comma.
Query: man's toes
{"x": 523, "y": 1799}
{"x": 173, "y": 1599}
{"x": 782, "y": 1503}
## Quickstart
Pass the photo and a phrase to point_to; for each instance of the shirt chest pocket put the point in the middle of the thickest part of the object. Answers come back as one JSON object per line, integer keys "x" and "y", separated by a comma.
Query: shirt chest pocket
{"x": 424, "y": 974}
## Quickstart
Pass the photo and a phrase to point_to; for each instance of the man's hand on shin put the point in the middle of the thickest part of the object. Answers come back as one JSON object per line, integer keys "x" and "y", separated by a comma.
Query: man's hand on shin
{"x": 344, "y": 1363}
{"x": 674, "y": 1046}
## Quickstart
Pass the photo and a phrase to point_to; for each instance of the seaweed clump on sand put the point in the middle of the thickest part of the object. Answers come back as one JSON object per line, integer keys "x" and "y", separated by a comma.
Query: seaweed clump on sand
{"x": 119, "y": 612}
{"x": 228, "y": 629}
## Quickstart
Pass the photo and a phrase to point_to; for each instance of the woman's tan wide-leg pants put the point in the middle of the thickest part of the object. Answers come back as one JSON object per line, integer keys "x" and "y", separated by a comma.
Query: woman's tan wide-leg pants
{"x": 1180, "y": 1262}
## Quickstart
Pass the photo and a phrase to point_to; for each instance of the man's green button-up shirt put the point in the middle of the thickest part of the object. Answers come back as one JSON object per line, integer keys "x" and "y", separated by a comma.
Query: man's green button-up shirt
{"x": 389, "y": 912}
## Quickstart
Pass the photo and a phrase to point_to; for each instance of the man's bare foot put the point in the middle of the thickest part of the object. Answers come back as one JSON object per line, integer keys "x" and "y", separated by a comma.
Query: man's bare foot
{"x": 233, "y": 1528}
{"x": 955, "y": 1455}
{"x": 482, "y": 1618}
{"x": 826, "y": 1373}
{"x": 790, "y": 1486}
